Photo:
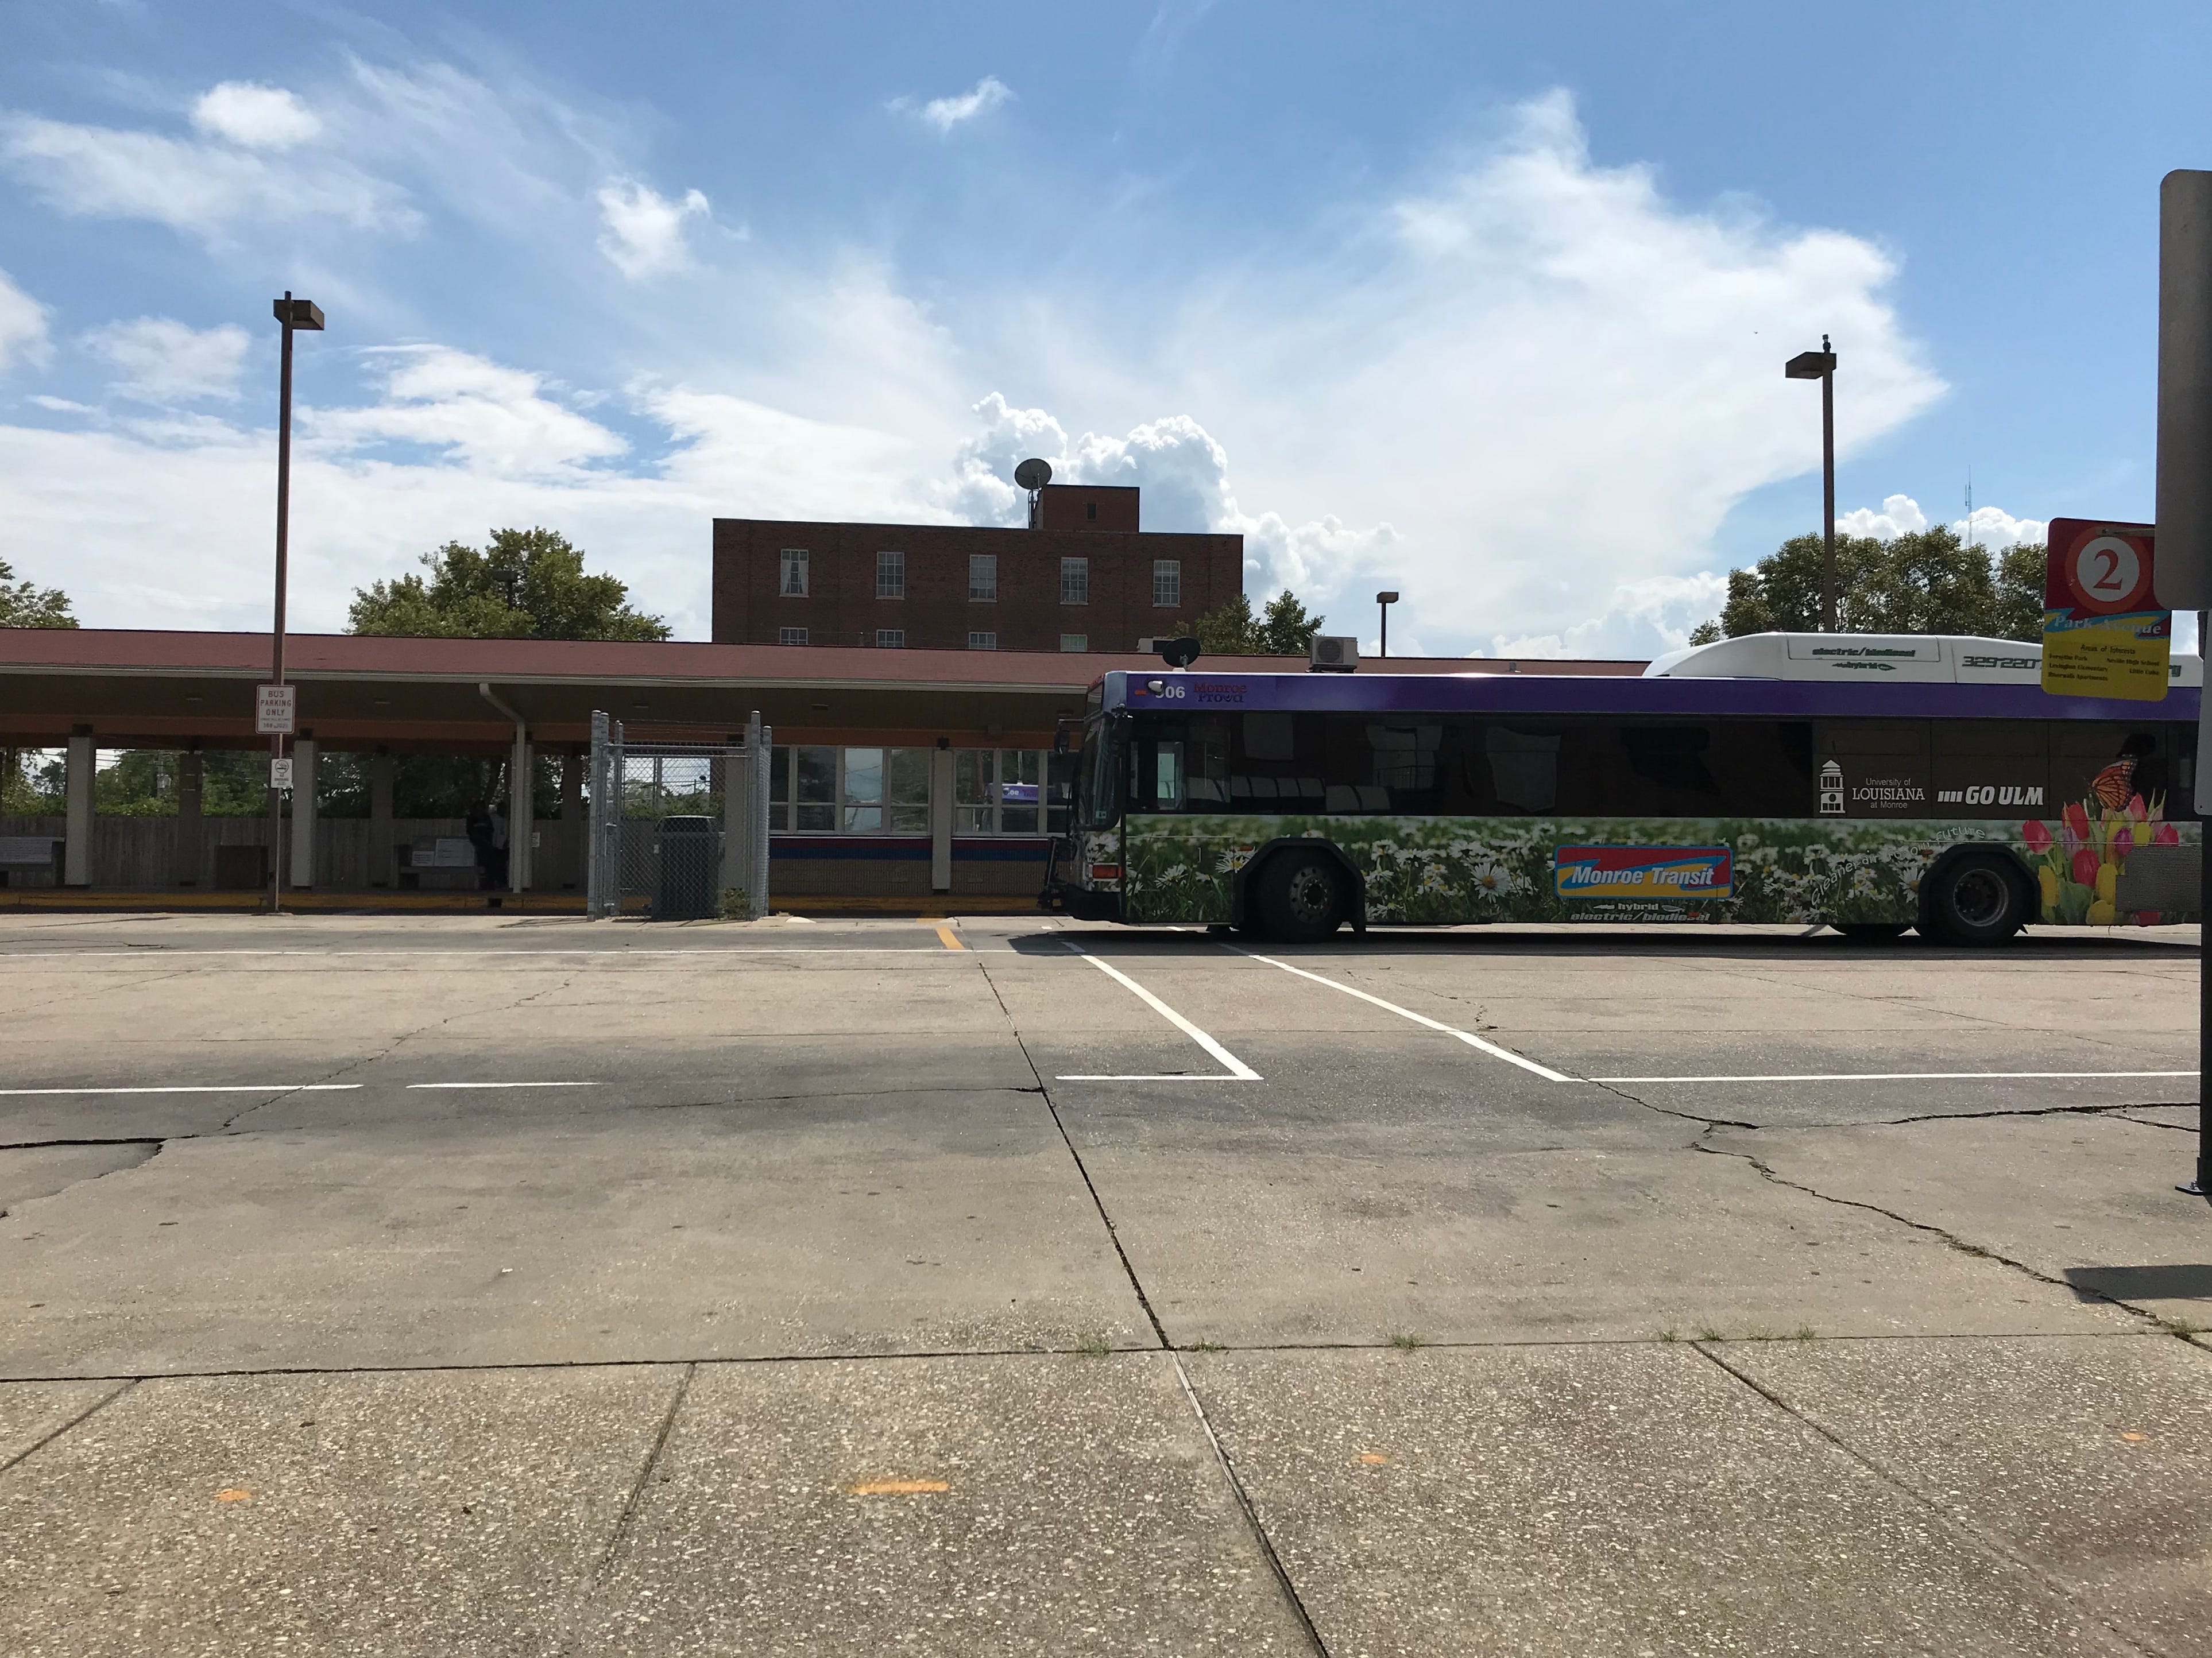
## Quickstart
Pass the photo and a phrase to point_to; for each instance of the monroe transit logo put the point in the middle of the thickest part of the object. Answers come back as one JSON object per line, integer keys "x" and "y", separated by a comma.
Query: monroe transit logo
{"x": 1676, "y": 873}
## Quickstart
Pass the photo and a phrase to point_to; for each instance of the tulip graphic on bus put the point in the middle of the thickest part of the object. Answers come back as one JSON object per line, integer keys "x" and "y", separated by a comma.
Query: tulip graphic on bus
{"x": 1677, "y": 873}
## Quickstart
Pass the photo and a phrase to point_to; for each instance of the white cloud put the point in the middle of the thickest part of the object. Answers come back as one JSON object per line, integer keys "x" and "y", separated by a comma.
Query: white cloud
{"x": 255, "y": 116}
{"x": 203, "y": 188}
{"x": 1993, "y": 526}
{"x": 489, "y": 417}
{"x": 1660, "y": 609}
{"x": 946, "y": 113}
{"x": 1900, "y": 515}
{"x": 163, "y": 360}
{"x": 22, "y": 326}
{"x": 645, "y": 231}
{"x": 1551, "y": 381}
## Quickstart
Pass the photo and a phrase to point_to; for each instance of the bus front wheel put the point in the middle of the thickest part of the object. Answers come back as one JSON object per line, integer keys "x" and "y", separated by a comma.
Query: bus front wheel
{"x": 1975, "y": 898}
{"x": 1299, "y": 896}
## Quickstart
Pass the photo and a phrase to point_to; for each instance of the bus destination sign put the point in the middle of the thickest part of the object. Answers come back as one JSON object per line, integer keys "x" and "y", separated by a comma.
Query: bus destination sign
{"x": 2104, "y": 633}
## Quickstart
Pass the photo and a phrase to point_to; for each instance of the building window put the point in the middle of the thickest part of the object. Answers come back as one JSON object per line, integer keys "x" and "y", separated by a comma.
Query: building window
{"x": 1075, "y": 581}
{"x": 885, "y": 791}
{"x": 891, "y": 639}
{"x": 824, "y": 790}
{"x": 802, "y": 789}
{"x": 1075, "y": 641}
{"x": 891, "y": 575}
{"x": 983, "y": 641}
{"x": 1167, "y": 582}
{"x": 791, "y": 636}
{"x": 996, "y": 791}
{"x": 982, "y": 578}
{"x": 794, "y": 574}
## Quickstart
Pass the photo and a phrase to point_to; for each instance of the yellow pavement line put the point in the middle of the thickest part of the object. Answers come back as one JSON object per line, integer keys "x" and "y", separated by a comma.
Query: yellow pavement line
{"x": 951, "y": 943}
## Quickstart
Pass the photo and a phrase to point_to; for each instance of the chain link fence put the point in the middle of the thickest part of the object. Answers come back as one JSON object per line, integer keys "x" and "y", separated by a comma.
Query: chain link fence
{"x": 679, "y": 829}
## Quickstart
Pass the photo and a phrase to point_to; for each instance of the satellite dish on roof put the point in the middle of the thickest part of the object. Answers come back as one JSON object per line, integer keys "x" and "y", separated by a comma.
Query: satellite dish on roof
{"x": 1033, "y": 474}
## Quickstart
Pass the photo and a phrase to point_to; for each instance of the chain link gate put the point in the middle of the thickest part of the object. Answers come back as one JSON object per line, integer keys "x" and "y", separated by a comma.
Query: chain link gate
{"x": 679, "y": 830}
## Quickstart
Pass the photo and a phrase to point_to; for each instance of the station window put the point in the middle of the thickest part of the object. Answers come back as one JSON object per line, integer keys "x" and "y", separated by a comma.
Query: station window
{"x": 891, "y": 575}
{"x": 1167, "y": 582}
{"x": 818, "y": 789}
{"x": 996, "y": 791}
{"x": 891, "y": 639}
{"x": 1075, "y": 581}
{"x": 1075, "y": 641}
{"x": 795, "y": 573}
{"x": 983, "y": 641}
{"x": 982, "y": 578}
{"x": 791, "y": 636}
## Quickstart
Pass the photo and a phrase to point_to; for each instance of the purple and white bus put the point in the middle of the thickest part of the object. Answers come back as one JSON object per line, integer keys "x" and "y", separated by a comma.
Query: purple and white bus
{"x": 1874, "y": 785}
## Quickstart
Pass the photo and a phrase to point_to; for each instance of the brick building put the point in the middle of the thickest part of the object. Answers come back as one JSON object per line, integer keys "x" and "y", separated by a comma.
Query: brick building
{"x": 1083, "y": 577}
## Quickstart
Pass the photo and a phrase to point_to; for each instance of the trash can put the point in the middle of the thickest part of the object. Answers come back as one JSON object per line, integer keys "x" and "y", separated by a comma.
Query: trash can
{"x": 687, "y": 859}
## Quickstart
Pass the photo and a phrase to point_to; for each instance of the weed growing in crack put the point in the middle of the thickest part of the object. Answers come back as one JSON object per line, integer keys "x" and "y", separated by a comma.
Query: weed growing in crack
{"x": 1668, "y": 1334}
{"x": 1204, "y": 1347}
{"x": 1093, "y": 1347}
{"x": 1405, "y": 1344}
{"x": 2184, "y": 1328}
{"x": 1706, "y": 1333}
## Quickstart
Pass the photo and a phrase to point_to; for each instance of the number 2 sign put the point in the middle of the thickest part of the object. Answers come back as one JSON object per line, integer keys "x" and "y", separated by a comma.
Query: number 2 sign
{"x": 2104, "y": 633}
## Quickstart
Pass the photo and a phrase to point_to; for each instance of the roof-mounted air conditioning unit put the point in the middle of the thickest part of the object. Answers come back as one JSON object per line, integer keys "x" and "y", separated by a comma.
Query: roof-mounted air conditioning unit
{"x": 1335, "y": 653}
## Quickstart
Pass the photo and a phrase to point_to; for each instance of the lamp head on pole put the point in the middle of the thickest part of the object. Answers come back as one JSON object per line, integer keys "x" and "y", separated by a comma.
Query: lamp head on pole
{"x": 1386, "y": 599}
{"x": 299, "y": 314}
{"x": 1811, "y": 365}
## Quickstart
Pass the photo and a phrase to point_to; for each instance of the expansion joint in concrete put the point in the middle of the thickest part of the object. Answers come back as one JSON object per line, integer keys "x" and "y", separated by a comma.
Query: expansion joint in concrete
{"x": 2113, "y": 1640}
{"x": 626, "y": 1520}
{"x": 76, "y": 1421}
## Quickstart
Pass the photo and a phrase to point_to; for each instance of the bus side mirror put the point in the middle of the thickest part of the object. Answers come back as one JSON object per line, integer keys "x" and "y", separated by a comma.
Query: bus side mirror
{"x": 1060, "y": 768}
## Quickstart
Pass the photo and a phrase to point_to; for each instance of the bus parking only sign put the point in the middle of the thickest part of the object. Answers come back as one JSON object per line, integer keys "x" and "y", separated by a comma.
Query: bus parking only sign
{"x": 2104, "y": 633}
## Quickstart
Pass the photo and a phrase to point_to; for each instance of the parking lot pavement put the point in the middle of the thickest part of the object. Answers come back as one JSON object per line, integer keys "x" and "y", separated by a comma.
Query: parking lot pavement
{"x": 706, "y": 1255}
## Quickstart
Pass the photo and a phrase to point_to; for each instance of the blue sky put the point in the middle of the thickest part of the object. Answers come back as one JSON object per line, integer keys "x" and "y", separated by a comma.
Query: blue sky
{"x": 1488, "y": 305}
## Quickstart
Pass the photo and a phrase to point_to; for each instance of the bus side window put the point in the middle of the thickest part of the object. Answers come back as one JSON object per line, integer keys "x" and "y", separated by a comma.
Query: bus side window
{"x": 1523, "y": 766}
{"x": 1666, "y": 775}
{"x": 1764, "y": 768}
{"x": 2182, "y": 739}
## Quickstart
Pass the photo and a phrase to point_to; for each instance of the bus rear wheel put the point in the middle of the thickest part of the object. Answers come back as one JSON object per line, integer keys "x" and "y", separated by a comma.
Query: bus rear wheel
{"x": 1975, "y": 898}
{"x": 1299, "y": 896}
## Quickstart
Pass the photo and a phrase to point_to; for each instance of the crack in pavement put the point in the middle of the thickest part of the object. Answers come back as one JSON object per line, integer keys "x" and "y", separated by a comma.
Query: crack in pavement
{"x": 397, "y": 1042}
{"x": 1952, "y": 1239}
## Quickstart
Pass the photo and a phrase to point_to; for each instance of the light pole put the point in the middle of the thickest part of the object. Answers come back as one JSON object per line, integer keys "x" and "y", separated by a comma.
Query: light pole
{"x": 292, "y": 313}
{"x": 1384, "y": 602}
{"x": 1821, "y": 366}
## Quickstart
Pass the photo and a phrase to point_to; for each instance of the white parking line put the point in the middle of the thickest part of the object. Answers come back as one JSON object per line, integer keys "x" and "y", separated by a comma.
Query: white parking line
{"x": 1238, "y": 1070}
{"x": 502, "y": 1084}
{"x": 1469, "y": 1037}
{"x": 1905, "y": 1076}
{"x": 226, "y": 1088}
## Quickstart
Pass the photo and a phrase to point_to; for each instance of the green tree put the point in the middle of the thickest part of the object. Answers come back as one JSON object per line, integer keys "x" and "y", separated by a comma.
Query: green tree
{"x": 1284, "y": 628}
{"x": 1929, "y": 582}
{"x": 27, "y": 604}
{"x": 525, "y": 584}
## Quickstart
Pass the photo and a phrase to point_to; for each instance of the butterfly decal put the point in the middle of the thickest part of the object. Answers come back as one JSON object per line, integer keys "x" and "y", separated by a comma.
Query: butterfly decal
{"x": 2112, "y": 785}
